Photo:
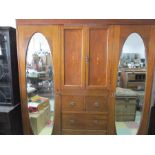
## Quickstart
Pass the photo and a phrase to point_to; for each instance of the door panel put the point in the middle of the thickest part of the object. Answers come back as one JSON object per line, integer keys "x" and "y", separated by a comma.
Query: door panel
{"x": 72, "y": 70}
{"x": 97, "y": 57}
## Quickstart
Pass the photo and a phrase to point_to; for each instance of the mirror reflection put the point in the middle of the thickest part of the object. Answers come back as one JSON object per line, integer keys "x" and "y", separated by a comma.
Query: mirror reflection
{"x": 40, "y": 85}
{"x": 130, "y": 88}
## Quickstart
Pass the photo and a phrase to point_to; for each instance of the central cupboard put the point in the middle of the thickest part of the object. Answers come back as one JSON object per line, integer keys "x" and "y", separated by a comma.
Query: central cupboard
{"x": 85, "y": 78}
{"x": 85, "y": 56}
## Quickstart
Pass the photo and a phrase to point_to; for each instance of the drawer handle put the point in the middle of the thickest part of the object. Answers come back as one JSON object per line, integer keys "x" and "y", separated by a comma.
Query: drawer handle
{"x": 72, "y": 103}
{"x": 72, "y": 121}
{"x": 96, "y": 121}
{"x": 96, "y": 104}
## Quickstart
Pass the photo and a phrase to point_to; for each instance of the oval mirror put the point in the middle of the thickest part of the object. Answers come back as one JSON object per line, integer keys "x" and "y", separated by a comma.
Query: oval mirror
{"x": 130, "y": 88}
{"x": 40, "y": 85}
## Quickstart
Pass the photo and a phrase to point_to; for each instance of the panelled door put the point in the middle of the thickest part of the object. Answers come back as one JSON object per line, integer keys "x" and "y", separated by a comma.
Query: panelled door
{"x": 97, "y": 57}
{"x": 73, "y": 69}
{"x": 25, "y": 34}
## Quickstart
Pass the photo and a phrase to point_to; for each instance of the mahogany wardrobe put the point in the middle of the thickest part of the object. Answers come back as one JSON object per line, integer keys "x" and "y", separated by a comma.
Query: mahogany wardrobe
{"x": 85, "y": 56}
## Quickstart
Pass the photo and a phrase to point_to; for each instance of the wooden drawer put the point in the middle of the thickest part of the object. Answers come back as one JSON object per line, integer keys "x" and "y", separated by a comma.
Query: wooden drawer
{"x": 84, "y": 121}
{"x": 3, "y": 118}
{"x": 96, "y": 103}
{"x": 73, "y": 103}
{"x": 83, "y": 132}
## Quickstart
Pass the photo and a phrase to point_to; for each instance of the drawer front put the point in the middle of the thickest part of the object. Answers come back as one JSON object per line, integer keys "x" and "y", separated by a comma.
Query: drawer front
{"x": 83, "y": 132}
{"x": 3, "y": 118}
{"x": 96, "y": 122}
{"x": 73, "y": 103}
{"x": 84, "y": 121}
{"x": 96, "y": 103}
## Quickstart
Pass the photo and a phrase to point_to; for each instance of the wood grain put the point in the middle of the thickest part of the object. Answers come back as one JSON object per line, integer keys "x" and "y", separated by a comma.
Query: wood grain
{"x": 97, "y": 72}
{"x": 73, "y": 103}
{"x": 85, "y": 22}
{"x": 96, "y": 103}
{"x": 72, "y": 56}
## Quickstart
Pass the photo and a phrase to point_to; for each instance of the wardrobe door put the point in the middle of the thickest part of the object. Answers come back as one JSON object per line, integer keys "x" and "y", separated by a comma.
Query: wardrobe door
{"x": 97, "y": 57}
{"x": 39, "y": 72}
{"x": 73, "y": 58}
{"x": 121, "y": 33}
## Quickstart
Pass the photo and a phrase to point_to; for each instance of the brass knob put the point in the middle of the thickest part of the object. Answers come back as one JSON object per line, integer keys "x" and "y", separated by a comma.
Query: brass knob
{"x": 72, "y": 121}
{"x": 96, "y": 104}
{"x": 95, "y": 121}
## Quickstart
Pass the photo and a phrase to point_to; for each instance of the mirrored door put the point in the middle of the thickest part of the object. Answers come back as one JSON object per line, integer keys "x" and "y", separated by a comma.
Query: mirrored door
{"x": 39, "y": 62}
{"x": 40, "y": 85}
{"x": 131, "y": 81}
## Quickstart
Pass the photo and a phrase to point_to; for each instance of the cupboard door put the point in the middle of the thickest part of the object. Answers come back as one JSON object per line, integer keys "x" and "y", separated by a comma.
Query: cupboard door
{"x": 73, "y": 65}
{"x": 97, "y": 57}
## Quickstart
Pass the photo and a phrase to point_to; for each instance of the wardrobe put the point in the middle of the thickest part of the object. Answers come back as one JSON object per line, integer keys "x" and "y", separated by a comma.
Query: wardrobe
{"x": 85, "y": 55}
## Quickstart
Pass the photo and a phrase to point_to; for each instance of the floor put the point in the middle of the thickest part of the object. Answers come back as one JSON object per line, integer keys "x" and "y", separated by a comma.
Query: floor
{"x": 129, "y": 128}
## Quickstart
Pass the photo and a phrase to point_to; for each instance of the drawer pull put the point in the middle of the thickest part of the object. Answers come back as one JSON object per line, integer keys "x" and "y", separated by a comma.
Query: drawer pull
{"x": 72, "y": 121}
{"x": 96, "y": 104}
{"x": 95, "y": 121}
{"x": 72, "y": 103}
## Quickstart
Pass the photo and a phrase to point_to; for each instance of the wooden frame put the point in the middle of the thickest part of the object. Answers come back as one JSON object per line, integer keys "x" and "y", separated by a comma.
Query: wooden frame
{"x": 85, "y": 22}
{"x": 55, "y": 26}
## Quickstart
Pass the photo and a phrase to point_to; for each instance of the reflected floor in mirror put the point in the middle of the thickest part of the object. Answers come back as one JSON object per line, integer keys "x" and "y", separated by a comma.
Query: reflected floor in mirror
{"x": 47, "y": 130}
{"x": 129, "y": 128}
